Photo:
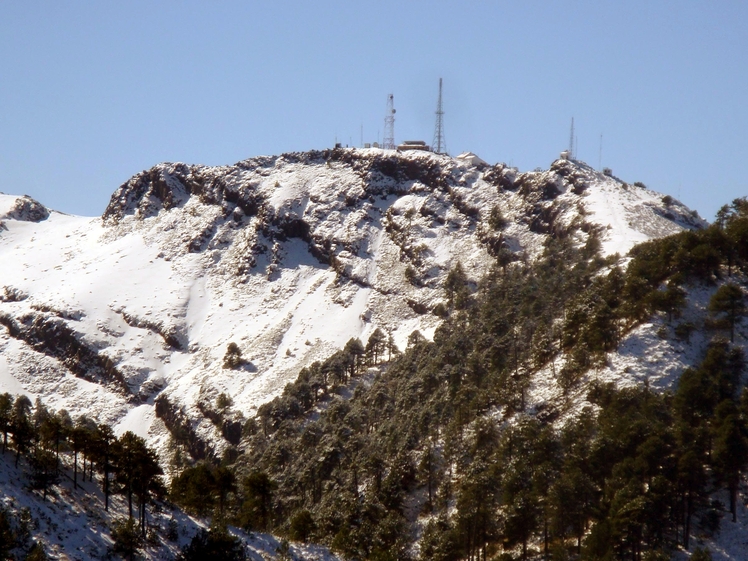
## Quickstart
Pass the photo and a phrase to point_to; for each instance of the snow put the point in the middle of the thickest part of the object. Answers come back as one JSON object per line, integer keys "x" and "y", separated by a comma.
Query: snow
{"x": 124, "y": 286}
{"x": 8, "y": 382}
{"x": 138, "y": 420}
{"x": 73, "y": 525}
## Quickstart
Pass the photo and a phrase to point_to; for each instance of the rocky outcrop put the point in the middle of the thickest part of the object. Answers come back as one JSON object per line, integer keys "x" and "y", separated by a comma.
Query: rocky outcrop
{"x": 26, "y": 209}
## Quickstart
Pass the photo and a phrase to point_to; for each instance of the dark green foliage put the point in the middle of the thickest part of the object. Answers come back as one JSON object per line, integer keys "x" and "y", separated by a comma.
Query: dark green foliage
{"x": 224, "y": 401}
{"x": 376, "y": 346}
{"x": 444, "y": 428}
{"x": 44, "y": 470}
{"x": 203, "y": 488}
{"x": 37, "y": 553}
{"x": 257, "y": 508}
{"x": 41, "y": 436}
{"x": 7, "y": 536}
{"x": 6, "y": 418}
{"x": 137, "y": 474}
{"x": 23, "y": 430}
{"x": 302, "y": 526}
{"x": 701, "y": 554}
{"x": 625, "y": 482}
{"x": 215, "y": 543}
{"x": 233, "y": 357}
{"x": 496, "y": 219}
{"x": 729, "y": 301}
{"x": 456, "y": 287}
{"x": 127, "y": 539}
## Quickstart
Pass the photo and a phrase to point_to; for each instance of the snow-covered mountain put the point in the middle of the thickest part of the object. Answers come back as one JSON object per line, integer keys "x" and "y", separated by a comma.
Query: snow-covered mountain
{"x": 127, "y": 317}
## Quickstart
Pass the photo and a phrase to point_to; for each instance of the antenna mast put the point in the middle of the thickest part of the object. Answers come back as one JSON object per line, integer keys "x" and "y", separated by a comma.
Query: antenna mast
{"x": 571, "y": 140}
{"x": 439, "y": 145}
{"x": 388, "y": 141}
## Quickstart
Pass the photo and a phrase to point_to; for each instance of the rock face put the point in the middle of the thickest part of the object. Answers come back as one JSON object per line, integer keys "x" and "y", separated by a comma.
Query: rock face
{"x": 25, "y": 209}
{"x": 128, "y": 317}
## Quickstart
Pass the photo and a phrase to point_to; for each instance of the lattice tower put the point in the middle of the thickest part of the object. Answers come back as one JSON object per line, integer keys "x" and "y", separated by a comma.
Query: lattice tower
{"x": 439, "y": 145}
{"x": 388, "y": 142}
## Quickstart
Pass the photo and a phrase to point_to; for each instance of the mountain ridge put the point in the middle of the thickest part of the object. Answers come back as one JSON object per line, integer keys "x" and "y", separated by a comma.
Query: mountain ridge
{"x": 320, "y": 246}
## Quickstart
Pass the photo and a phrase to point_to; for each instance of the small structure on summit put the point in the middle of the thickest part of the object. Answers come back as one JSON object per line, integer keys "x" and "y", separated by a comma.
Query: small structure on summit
{"x": 413, "y": 145}
{"x": 470, "y": 159}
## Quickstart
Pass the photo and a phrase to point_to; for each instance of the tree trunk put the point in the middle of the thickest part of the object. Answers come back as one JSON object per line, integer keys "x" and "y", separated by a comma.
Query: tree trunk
{"x": 129, "y": 501}
{"x": 687, "y": 529}
{"x": 106, "y": 489}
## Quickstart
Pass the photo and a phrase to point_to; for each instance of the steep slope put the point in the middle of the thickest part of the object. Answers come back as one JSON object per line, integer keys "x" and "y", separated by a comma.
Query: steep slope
{"x": 73, "y": 524}
{"x": 128, "y": 317}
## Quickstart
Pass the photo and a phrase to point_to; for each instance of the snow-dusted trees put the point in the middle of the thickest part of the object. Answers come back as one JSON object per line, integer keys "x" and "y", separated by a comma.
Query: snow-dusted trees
{"x": 728, "y": 302}
{"x": 203, "y": 489}
{"x": 6, "y": 409}
{"x": 23, "y": 429}
{"x": 233, "y": 357}
{"x": 137, "y": 473}
{"x": 41, "y": 436}
{"x": 376, "y": 346}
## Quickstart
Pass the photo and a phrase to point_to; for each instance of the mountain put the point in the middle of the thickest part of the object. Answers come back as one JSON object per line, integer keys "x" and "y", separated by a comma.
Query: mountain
{"x": 254, "y": 316}
{"x": 128, "y": 317}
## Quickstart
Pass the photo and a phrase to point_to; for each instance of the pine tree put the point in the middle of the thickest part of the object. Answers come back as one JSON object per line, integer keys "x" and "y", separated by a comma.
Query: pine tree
{"x": 44, "y": 469}
{"x": 23, "y": 430}
{"x": 729, "y": 301}
{"x": 376, "y": 346}
{"x": 6, "y": 416}
{"x": 257, "y": 510}
{"x": 730, "y": 454}
{"x": 193, "y": 489}
{"x": 103, "y": 453}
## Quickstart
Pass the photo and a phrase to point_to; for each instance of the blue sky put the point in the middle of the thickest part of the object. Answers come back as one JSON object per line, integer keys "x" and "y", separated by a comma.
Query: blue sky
{"x": 94, "y": 92}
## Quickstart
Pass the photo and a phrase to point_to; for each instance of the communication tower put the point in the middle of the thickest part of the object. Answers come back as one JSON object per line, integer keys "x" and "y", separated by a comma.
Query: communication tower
{"x": 439, "y": 145}
{"x": 572, "y": 155}
{"x": 388, "y": 142}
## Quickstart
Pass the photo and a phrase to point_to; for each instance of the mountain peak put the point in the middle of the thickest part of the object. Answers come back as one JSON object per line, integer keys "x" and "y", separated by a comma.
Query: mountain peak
{"x": 287, "y": 257}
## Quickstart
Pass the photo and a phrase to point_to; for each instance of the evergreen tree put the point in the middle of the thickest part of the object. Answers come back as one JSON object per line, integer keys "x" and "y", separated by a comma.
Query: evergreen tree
{"x": 233, "y": 357}
{"x": 23, "y": 430}
{"x": 257, "y": 509}
{"x": 730, "y": 454}
{"x": 80, "y": 436}
{"x": 456, "y": 287}
{"x": 127, "y": 540}
{"x": 44, "y": 469}
{"x": 215, "y": 543}
{"x": 137, "y": 472}
{"x": 6, "y": 416}
{"x": 376, "y": 346}
{"x": 301, "y": 526}
{"x": 193, "y": 489}
{"x": 729, "y": 301}
{"x": 103, "y": 452}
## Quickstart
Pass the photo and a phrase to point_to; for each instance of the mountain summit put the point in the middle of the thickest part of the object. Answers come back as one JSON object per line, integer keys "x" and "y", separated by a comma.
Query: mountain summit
{"x": 200, "y": 281}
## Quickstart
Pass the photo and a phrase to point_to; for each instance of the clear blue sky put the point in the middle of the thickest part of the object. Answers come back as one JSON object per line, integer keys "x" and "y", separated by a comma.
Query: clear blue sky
{"x": 94, "y": 92}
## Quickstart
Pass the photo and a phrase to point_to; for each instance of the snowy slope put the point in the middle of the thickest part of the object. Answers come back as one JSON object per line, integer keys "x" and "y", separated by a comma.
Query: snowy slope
{"x": 72, "y": 524}
{"x": 288, "y": 257}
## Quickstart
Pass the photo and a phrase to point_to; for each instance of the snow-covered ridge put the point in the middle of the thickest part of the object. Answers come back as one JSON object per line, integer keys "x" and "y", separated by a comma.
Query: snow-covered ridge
{"x": 287, "y": 256}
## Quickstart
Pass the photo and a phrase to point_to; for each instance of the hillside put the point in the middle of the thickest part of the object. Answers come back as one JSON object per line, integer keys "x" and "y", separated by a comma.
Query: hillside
{"x": 529, "y": 427}
{"x": 128, "y": 316}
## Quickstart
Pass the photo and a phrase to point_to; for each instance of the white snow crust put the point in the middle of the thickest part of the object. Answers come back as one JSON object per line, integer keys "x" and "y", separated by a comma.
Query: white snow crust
{"x": 119, "y": 284}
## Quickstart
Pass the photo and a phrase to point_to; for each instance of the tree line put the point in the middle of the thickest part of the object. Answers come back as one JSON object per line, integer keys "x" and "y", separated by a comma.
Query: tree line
{"x": 125, "y": 465}
{"x": 445, "y": 429}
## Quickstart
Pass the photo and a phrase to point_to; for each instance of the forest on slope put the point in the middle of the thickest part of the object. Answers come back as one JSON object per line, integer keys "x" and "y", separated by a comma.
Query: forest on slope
{"x": 436, "y": 452}
{"x": 437, "y": 455}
